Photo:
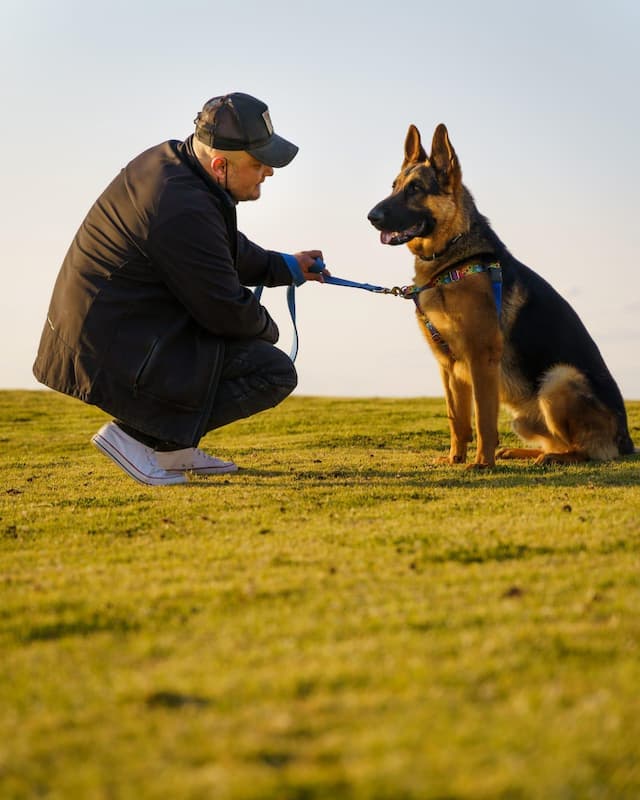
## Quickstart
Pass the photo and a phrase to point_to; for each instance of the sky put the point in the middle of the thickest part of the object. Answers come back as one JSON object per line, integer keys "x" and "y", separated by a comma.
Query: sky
{"x": 541, "y": 100}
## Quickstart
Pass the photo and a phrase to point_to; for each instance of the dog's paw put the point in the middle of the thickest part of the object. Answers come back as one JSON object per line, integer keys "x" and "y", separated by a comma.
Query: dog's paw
{"x": 451, "y": 460}
{"x": 571, "y": 457}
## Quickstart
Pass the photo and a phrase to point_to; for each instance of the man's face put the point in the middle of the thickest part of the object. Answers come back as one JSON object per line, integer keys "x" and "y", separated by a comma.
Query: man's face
{"x": 244, "y": 176}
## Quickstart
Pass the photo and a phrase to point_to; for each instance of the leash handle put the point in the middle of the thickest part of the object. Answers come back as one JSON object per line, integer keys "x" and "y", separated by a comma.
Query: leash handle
{"x": 291, "y": 304}
{"x": 318, "y": 266}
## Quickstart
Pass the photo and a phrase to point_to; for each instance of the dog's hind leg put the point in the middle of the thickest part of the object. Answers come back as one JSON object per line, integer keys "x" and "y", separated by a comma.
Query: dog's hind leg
{"x": 531, "y": 430}
{"x": 567, "y": 422}
{"x": 530, "y": 426}
{"x": 458, "y": 396}
{"x": 576, "y": 419}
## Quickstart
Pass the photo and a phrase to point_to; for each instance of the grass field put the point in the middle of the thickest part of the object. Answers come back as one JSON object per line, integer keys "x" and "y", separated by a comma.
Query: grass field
{"x": 343, "y": 618}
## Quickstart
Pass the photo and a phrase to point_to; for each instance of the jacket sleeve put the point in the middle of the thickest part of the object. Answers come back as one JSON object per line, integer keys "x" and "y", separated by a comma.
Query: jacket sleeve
{"x": 191, "y": 252}
{"x": 258, "y": 266}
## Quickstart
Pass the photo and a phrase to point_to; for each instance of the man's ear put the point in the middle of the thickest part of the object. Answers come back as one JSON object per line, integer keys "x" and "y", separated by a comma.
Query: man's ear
{"x": 444, "y": 159}
{"x": 219, "y": 168}
{"x": 414, "y": 152}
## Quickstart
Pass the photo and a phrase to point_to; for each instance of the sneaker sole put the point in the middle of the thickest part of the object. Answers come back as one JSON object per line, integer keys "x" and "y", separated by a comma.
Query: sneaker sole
{"x": 209, "y": 470}
{"x": 107, "y": 449}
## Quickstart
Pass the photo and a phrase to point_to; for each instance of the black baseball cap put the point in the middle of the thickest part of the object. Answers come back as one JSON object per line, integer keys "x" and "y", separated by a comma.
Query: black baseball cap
{"x": 239, "y": 121}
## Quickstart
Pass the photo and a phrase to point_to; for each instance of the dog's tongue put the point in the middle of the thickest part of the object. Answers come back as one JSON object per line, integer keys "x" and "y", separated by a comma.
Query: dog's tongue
{"x": 386, "y": 236}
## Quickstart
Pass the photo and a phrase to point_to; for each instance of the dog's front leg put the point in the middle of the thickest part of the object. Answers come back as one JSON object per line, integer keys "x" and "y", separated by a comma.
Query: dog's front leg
{"x": 458, "y": 396}
{"x": 485, "y": 378}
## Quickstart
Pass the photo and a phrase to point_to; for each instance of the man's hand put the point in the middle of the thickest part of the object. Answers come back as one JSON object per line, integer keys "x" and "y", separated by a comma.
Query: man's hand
{"x": 307, "y": 259}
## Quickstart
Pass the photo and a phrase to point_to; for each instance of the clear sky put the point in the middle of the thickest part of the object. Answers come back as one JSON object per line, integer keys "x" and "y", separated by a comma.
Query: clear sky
{"x": 541, "y": 100}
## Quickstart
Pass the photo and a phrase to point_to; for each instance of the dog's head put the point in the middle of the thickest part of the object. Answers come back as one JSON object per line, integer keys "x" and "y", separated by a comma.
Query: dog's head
{"x": 426, "y": 195}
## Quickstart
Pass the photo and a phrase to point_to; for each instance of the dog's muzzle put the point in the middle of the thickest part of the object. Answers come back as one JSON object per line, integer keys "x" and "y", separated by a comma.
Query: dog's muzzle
{"x": 377, "y": 218}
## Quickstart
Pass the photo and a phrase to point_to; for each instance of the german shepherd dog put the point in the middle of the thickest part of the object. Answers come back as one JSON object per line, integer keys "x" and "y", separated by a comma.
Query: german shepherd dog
{"x": 532, "y": 353}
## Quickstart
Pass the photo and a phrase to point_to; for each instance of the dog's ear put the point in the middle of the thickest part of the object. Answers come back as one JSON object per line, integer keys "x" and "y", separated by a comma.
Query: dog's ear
{"x": 444, "y": 159}
{"x": 414, "y": 152}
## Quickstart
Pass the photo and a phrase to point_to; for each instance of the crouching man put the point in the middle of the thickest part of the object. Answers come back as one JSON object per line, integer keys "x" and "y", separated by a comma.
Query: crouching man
{"x": 150, "y": 319}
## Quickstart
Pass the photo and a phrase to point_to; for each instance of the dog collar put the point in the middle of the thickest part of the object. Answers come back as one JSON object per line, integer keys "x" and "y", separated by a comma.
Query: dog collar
{"x": 434, "y": 256}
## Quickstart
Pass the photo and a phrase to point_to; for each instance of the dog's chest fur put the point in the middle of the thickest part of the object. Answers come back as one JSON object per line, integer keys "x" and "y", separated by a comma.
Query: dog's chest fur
{"x": 464, "y": 313}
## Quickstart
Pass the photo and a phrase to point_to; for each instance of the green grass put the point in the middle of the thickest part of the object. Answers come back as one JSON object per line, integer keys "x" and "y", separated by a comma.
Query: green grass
{"x": 344, "y": 618}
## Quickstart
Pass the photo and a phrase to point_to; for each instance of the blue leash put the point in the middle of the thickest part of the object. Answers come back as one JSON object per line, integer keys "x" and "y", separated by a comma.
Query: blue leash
{"x": 407, "y": 292}
{"x": 291, "y": 303}
{"x": 355, "y": 285}
{"x": 319, "y": 266}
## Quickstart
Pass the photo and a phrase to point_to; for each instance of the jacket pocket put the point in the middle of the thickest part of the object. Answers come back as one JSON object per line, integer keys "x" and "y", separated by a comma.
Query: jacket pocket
{"x": 161, "y": 348}
{"x": 177, "y": 366}
{"x": 145, "y": 363}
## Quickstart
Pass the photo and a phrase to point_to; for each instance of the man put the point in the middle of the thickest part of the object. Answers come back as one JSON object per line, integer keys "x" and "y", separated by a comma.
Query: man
{"x": 150, "y": 319}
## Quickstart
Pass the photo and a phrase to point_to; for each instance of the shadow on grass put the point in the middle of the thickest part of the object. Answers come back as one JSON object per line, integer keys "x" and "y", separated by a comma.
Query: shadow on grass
{"x": 176, "y": 700}
{"x": 624, "y": 473}
{"x": 83, "y": 627}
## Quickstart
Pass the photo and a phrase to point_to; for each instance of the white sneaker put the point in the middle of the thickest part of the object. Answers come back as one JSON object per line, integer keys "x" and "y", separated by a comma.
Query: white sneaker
{"x": 135, "y": 458}
{"x": 193, "y": 460}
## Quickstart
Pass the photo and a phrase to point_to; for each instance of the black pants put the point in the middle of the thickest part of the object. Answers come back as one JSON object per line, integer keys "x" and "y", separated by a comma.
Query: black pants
{"x": 255, "y": 376}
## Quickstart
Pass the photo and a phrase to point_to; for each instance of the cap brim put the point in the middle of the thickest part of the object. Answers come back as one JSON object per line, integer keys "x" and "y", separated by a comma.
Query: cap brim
{"x": 277, "y": 152}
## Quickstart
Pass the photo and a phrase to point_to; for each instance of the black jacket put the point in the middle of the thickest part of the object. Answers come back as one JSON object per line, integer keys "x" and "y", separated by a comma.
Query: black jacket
{"x": 149, "y": 290}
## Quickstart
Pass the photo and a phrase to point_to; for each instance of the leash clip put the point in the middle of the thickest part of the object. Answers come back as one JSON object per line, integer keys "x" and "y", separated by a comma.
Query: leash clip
{"x": 397, "y": 291}
{"x": 407, "y": 292}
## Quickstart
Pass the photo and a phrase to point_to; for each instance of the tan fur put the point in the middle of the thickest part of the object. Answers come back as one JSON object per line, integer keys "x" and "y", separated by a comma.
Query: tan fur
{"x": 451, "y": 220}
